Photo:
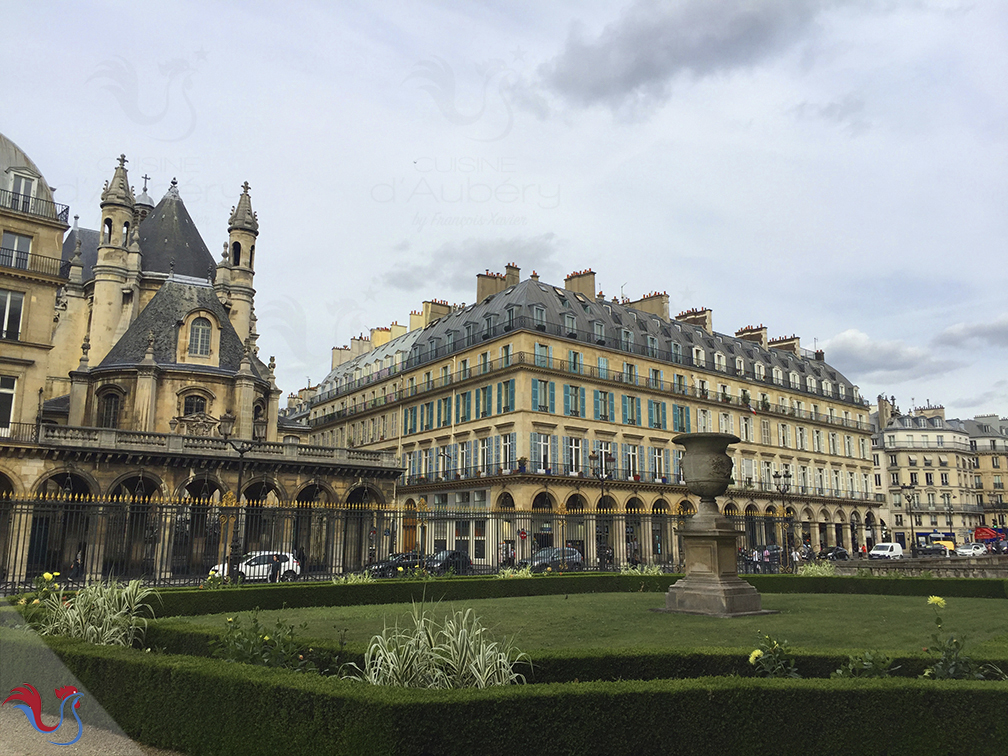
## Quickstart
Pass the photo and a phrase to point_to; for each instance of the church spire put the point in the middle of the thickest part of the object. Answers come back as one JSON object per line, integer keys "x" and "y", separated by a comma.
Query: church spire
{"x": 242, "y": 216}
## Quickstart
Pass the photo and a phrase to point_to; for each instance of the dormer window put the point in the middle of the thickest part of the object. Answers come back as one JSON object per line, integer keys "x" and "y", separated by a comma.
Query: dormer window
{"x": 21, "y": 193}
{"x": 810, "y": 385}
{"x": 760, "y": 371}
{"x": 739, "y": 366}
{"x": 719, "y": 362}
{"x": 539, "y": 317}
{"x": 778, "y": 376}
{"x": 199, "y": 337}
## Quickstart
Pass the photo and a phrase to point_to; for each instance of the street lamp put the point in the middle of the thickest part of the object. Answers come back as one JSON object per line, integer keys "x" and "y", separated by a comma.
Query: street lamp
{"x": 227, "y": 422}
{"x": 601, "y": 462}
{"x": 910, "y": 497}
{"x": 783, "y": 484}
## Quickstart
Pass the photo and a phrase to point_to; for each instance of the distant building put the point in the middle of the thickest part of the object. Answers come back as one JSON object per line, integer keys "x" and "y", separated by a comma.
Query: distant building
{"x": 941, "y": 476}
{"x": 521, "y": 401}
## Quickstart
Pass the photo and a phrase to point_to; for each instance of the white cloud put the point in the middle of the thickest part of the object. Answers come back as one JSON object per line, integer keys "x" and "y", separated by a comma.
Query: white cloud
{"x": 864, "y": 359}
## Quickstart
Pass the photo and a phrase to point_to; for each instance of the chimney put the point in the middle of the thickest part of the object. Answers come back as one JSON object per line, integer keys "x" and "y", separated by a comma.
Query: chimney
{"x": 655, "y": 303}
{"x": 534, "y": 276}
{"x": 397, "y": 330}
{"x": 755, "y": 334}
{"x": 434, "y": 309}
{"x": 415, "y": 320}
{"x": 702, "y": 317}
{"x": 359, "y": 345}
{"x": 787, "y": 344}
{"x": 488, "y": 283}
{"x": 512, "y": 275}
{"x": 340, "y": 355}
{"x": 581, "y": 282}
{"x": 380, "y": 337}
{"x": 820, "y": 355}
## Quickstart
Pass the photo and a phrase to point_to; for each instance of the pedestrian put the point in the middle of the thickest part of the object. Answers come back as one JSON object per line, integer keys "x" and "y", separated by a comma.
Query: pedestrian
{"x": 300, "y": 556}
{"x": 274, "y": 573}
{"x": 75, "y": 570}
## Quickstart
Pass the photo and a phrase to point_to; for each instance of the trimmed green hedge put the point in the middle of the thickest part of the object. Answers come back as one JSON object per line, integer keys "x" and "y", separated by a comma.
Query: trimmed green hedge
{"x": 194, "y": 601}
{"x": 206, "y": 706}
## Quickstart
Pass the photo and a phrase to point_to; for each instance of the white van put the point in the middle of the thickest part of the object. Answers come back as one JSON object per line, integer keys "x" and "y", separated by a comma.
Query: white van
{"x": 886, "y": 551}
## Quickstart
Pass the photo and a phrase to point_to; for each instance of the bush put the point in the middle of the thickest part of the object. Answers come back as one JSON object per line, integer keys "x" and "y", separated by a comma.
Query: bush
{"x": 254, "y": 644}
{"x": 817, "y": 569}
{"x": 107, "y": 614}
{"x": 458, "y": 654}
{"x": 641, "y": 569}
{"x": 867, "y": 664}
{"x": 773, "y": 659}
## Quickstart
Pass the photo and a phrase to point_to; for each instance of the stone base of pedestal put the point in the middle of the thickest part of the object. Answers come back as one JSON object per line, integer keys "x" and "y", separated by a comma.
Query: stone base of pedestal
{"x": 712, "y": 585}
{"x": 721, "y": 597}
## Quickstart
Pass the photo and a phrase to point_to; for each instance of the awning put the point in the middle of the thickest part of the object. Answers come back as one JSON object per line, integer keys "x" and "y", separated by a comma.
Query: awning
{"x": 912, "y": 458}
{"x": 942, "y": 459}
{"x": 984, "y": 534}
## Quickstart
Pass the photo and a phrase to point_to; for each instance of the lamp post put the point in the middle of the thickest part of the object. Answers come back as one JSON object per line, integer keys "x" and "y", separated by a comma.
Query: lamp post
{"x": 601, "y": 461}
{"x": 783, "y": 484}
{"x": 227, "y": 422}
{"x": 910, "y": 497}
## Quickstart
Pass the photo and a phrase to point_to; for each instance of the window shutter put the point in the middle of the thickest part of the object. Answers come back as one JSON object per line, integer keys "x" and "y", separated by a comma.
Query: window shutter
{"x": 667, "y": 453}
{"x": 468, "y": 405}
{"x": 496, "y": 452}
{"x": 624, "y": 398}
{"x": 650, "y": 413}
{"x": 533, "y": 451}
{"x": 663, "y": 424}
{"x": 566, "y": 399}
{"x": 535, "y": 394}
{"x": 458, "y": 406}
{"x": 499, "y": 392}
{"x": 612, "y": 407}
{"x": 550, "y": 352}
{"x": 553, "y": 454}
{"x": 597, "y": 409}
{"x": 478, "y": 392}
{"x": 686, "y": 415}
{"x": 552, "y": 387}
{"x": 638, "y": 414}
{"x": 567, "y": 457}
{"x": 584, "y": 409}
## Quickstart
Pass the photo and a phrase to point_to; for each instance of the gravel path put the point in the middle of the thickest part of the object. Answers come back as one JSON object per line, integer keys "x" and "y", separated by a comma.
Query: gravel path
{"x": 19, "y": 738}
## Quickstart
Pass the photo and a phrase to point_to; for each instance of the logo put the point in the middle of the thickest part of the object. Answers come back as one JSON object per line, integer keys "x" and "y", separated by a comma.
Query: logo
{"x": 30, "y": 702}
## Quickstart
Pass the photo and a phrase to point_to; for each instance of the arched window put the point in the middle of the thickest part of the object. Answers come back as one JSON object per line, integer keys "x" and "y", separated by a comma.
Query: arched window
{"x": 199, "y": 337}
{"x": 194, "y": 405}
{"x": 107, "y": 236}
{"x": 108, "y": 416}
{"x": 236, "y": 254}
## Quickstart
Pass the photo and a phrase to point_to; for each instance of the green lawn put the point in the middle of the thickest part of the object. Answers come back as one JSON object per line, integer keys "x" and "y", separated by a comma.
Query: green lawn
{"x": 894, "y": 624}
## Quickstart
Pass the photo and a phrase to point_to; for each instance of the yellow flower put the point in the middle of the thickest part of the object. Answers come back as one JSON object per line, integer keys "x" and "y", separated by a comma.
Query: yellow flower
{"x": 55, "y": 574}
{"x": 265, "y": 637}
{"x": 400, "y": 569}
{"x": 47, "y": 576}
{"x": 936, "y": 601}
{"x": 35, "y": 601}
{"x": 754, "y": 656}
{"x": 230, "y": 619}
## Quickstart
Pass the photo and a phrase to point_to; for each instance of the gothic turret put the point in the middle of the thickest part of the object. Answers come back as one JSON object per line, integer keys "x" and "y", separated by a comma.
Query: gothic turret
{"x": 243, "y": 228}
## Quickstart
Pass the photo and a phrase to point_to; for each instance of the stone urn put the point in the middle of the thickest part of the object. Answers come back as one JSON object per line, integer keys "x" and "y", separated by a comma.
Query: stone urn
{"x": 712, "y": 585}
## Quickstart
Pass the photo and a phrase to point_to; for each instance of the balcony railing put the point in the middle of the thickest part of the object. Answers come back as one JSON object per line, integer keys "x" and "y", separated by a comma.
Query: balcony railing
{"x": 168, "y": 443}
{"x": 50, "y": 266}
{"x": 40, "y": 208}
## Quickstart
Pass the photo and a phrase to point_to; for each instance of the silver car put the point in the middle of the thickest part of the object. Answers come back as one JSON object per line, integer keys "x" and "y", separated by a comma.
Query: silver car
{"x": 971, "y": 550}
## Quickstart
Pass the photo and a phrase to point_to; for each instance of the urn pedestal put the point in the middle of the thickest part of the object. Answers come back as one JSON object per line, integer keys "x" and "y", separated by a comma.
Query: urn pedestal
{"x": 711, "y": 585}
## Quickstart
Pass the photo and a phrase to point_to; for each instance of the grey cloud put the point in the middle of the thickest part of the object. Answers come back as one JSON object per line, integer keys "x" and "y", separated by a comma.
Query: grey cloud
{"x": 847, "y": 113}
{"x": 454, "y": 265}
{"x": 993, "y": 333}
{"x": 994, "y": 396}
{"x": 634, "y": 59}
{"x": 864, "y": 359}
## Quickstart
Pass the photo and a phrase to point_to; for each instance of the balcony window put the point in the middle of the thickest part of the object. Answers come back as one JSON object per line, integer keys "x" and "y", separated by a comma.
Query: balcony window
{"x": 11, "y": 303}
{"x": 14, "y": 250}
{"x": 7, "y": 384}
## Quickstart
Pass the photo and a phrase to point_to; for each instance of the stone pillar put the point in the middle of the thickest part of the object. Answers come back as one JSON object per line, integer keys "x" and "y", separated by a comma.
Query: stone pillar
{"x": 646, "y": 540}
{"x": 163, "y": 545}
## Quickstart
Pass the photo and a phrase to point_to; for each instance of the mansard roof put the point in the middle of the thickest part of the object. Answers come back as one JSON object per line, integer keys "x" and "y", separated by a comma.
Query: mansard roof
{"x": 176, "y": 298}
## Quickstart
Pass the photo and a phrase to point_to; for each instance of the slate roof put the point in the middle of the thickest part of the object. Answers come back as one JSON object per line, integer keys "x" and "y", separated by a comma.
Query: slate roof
{"x": 173, "y": 301}
{"x": 431, "y": 342}
{"x": 12, "y": 156}
{"x": 166, "y": 234}
{"x": 89, "y": 249}
{"x": 57, "y": 405}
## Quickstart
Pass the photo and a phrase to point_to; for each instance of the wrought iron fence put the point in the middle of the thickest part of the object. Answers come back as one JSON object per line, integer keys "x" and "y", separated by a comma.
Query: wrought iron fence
{"x": 178, "y": 542}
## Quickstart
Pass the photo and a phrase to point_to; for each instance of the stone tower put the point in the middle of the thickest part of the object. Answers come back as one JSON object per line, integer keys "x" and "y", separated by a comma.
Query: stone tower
{"x": 111, "y": 270}
{"x": 243, "y": 228}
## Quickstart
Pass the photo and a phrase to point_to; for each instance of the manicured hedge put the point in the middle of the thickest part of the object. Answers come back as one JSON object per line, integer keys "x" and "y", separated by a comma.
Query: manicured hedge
{"x": 206, "y": 706}
{"x": 193, "y": 601}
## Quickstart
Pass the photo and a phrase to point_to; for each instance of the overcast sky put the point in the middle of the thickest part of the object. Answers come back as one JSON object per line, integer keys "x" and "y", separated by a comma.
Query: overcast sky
{"x": 832, "y": 170}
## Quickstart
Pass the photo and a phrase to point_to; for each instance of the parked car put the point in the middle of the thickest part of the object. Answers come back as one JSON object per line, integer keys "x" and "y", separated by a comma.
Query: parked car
{"x": 971, "y": 550}
{"x": 443, "y": 562}
{"x": 256, "y": 566}
{"x": 886, "y": 551}
{"x": 931, "y": 550}
{"x": 555, "y": 558}
{"x": 835, "y": 553}
{"x": 388, "y": 568}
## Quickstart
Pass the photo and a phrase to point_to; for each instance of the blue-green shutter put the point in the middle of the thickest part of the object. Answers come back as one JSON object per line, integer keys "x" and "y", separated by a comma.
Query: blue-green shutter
{"x": 567, "y": 389}
{"x": 552, "y": 387}
{"x": 535, "y": 395}
{"x": 584, "y": 410}
{"x": 511, "y": 398}
{"x": 686, "y": 412}
{"x": 566, "y": 457}
{"x": 597, "y": 408}
{"x": 664, "y": 426}
{"x": 667, "y": 463}
{"x": 478, "y": 392}
{"x": 553, "y": 454}
{"x": 499, "y": 394}
{"x": 638, "y": 415}
{"x": 623, "y": 397}
{"x": 650, "y": 413}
